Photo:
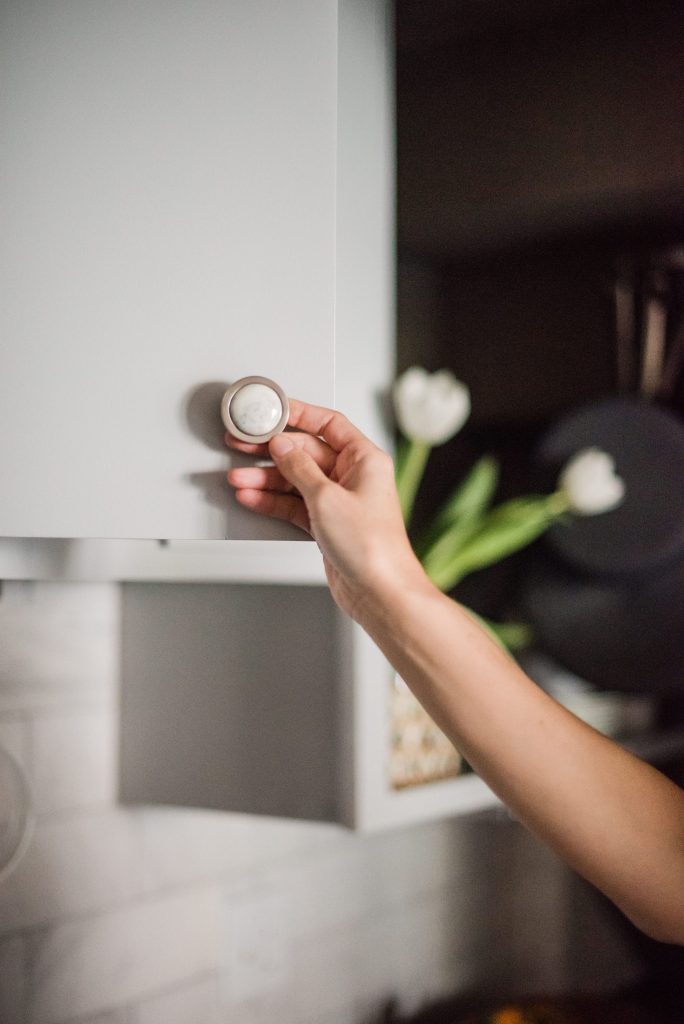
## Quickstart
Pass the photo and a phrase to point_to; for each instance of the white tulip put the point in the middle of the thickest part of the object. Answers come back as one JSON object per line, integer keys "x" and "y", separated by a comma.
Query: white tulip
{"x": 430, "y": 407}
{"x": 590, "y": 483}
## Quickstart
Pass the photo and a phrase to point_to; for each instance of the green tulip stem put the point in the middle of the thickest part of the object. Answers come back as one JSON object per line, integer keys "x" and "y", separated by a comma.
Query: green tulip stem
{"x": 410, "y": 471}
{"x": 558, "y": 504}
{"x": 505, "y": 530}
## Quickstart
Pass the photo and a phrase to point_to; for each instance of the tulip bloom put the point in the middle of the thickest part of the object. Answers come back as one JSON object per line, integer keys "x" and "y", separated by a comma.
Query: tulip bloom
{"x": 430, "y": 409}
{"x": 590, "y": 483}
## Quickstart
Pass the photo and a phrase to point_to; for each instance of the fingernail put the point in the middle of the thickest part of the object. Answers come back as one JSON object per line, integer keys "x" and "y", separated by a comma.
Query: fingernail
{"x": 280, "y": 445}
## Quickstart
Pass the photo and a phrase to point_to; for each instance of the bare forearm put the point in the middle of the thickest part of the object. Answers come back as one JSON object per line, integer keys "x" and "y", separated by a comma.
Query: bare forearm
{"x": 615, "y": 819}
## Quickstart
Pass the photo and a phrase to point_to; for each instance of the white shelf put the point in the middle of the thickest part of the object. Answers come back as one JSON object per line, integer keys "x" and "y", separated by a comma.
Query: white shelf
{"x": 207, "y": 722}
{"x": 268, "y": 700}
{"x": 236, "y": 561}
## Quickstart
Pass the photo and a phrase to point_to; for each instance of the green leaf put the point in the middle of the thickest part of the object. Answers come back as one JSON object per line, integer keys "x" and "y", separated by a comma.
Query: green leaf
{"x": 465, "y": 505}
{"x": 506, "y": 529}
{"x": 446, "y": 548}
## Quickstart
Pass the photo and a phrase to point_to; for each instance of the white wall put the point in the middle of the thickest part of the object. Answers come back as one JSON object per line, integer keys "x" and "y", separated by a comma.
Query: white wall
{"x": 122, "y": 916}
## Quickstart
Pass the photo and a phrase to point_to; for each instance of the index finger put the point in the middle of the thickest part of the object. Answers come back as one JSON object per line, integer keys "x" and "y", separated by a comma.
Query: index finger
{"x": 332, "y": 426}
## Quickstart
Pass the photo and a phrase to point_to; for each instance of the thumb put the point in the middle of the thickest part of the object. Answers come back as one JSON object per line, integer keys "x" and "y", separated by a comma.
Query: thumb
{"x": 297, "y": 466}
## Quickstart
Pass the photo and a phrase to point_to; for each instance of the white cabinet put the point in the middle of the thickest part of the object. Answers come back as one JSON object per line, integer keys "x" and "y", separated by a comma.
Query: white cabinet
{"x": 194, "y": 192}
{"x": 191, "y": 193}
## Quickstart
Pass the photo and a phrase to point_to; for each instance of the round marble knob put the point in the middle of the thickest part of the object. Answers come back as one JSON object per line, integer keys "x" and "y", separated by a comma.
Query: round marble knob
{"x": 255, "y": 409}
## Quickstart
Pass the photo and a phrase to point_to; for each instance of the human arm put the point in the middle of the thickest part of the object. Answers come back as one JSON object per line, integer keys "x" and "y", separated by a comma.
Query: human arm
{"x": 613, "y": 818}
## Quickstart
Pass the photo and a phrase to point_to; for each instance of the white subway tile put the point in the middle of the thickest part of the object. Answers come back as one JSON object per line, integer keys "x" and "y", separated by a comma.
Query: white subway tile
{"x": 358, "y": 878}
{"x": 115, "y": 959}
{"x": 328, "y": 889}
{"x": 383, "y": 954}
{"x": 413, "y": 951}
{"x": 268, "y": 840}
{"x": 264, "y": 841}
{"x": 75, "y": 759}
{"x": 59, "y": 644}
{"x": 182, "y": 846}
{"x": 75, "y": 864}
{"x": 416, "y": 950}
{"x": 327, "y": 971}
{"x": 257, "y": 944}
{"x": 196, "y": 1003}
{"x": 278, "y": 1006}
{"x": 413, "y": 861}
{"x": 12, "y": 980}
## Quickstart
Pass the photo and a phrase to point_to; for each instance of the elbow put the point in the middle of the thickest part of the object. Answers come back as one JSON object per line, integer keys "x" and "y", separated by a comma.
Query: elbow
{"x": 663, "y": 933}
{"x": 657, "y": 907}
{"x": 662, "y": 928}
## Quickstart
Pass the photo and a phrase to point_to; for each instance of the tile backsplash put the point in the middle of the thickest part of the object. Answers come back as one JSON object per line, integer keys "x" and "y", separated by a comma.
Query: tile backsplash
{"x": 123, "y": 915}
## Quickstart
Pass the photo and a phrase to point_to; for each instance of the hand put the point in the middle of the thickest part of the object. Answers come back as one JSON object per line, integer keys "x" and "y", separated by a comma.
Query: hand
{"x": 332, "y": 481}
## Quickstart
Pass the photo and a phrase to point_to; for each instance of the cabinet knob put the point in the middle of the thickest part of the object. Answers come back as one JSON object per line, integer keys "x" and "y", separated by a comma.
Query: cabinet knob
{"x": 255, "y": 409}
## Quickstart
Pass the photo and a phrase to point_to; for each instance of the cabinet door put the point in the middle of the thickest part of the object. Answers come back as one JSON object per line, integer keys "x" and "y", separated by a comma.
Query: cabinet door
{"x": 168, "y": 208}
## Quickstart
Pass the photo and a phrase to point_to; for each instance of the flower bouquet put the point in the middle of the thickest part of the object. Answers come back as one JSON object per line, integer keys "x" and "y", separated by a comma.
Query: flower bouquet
{"x": 470, "y": 532}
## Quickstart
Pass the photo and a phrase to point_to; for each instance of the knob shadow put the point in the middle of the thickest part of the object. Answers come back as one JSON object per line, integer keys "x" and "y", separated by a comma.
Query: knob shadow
{"x": 202, "y": 413}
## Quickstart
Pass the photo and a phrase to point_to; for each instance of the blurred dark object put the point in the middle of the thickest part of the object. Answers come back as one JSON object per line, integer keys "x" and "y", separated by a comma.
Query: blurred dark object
{"x": 621, "y": 715}
{"x": 618, "y": 634}
{"x": 648, "y": 305}
{"x": 646, "y": 532}
{"x": 606, "y": 598}
{"x": 619, "y": 1009}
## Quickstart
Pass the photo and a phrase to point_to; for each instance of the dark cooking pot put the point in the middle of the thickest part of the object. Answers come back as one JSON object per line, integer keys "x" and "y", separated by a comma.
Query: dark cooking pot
{"x": 606, "y": 598}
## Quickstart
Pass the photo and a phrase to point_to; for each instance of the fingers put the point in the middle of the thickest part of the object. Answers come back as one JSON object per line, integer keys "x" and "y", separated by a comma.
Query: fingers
{"x": 259, "y": 478}
{"x": 317, "y": 449}
{"x": 315, "y": 422}
{"x": 298, "y": 467}
{"x": 277, "y": 506}
{"x": 332, "y": 426}
{"x": 244, "y": 446}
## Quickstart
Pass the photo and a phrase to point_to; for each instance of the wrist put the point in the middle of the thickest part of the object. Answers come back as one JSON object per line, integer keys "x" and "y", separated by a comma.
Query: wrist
{"x": 392, "y": 584}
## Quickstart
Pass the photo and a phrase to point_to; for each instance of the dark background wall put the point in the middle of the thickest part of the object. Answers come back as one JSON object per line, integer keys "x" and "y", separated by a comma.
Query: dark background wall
{"x": 540, "y": 157}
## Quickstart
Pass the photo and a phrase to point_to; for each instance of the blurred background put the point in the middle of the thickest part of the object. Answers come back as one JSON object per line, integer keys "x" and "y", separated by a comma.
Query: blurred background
{"x": 540, "y": 225}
